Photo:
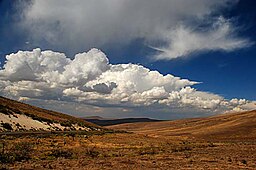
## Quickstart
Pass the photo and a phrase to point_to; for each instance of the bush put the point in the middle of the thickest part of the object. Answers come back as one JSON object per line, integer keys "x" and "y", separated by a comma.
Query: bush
{"x": 182, "y": 149}
{"x": 92, "y": 152}
{"x": 4, "y": 110}
{"x": 81, "y": 124}
{"x": 149, "y": 151}
{"x": 66, "y": 124}
{"x": 211, "y": 144}
{"x": 22, "y": 151}
{"x": 244, "y": 161}
{"x": 7, "y": 126}
{"x": 18, "y": 152}
{"x": 61, "y": 153}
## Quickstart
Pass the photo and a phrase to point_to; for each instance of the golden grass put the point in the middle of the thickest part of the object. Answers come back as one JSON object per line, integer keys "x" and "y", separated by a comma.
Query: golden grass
{"x": 236, "y": 126}
{"x": 133, "y": 151}
{"x": 218, "y": 142}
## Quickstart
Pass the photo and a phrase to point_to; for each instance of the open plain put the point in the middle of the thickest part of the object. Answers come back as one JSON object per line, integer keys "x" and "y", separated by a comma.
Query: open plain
{"x": 218, "y": 142}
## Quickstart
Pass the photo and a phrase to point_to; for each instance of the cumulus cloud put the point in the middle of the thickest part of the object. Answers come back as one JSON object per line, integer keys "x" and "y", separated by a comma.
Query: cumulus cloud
{"x": 90, "y": 79}
{"x": 80, "y": 24}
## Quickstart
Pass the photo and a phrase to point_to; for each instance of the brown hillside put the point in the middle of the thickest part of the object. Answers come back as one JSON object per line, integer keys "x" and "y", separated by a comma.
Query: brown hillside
{"x": 32, "y": 111}
{"x": 226, "y": 126}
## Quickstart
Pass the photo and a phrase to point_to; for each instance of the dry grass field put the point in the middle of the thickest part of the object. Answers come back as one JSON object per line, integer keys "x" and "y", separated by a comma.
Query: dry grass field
{"x": 230, "y": 126}
{"x": 127, "y": 151}
{"x": 230, "y": 144}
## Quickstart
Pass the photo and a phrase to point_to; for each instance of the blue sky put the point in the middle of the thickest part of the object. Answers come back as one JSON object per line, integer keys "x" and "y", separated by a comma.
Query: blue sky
{"x": 227, "y": 72}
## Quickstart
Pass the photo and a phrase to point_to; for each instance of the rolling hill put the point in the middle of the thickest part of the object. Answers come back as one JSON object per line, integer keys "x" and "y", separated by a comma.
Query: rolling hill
{"x": 17, "y": 116}
{"x": 224, "y": 141}
{"x": 225, "y": 126}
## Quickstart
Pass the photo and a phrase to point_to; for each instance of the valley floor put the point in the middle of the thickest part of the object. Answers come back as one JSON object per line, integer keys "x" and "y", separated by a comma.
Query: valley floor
{"x": 125, "y": 151}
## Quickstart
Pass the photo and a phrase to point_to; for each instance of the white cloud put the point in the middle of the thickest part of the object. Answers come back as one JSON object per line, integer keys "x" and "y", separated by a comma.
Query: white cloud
{"x": 79, "y": 24}
{"x": 91, "y": 80}
{"x": 183, "y": 41}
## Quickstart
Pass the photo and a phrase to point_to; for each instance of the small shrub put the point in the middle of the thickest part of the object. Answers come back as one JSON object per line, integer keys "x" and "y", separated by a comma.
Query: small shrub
{"x": 15, "y": 116}
{"x": 16, "y": 111}
{"x": 4, "y": 110}
{"x": 182, "y": 149}
{"x": 211, "y": 144}
{"x": 229, "y": 160}
{"x": 244, "y": 161}
{"x": 61, "y": 153}
{"x": 81, "y": 124}
{"x": 4, "y": 158}
{"x": 73, "y": 135}
{"x": 18, "y": 152}
{"x": 66, "y": 124}
{"x": 18, "y": 125}
{"x": 92, "y": 152}
{"x": 7, "y": 126}
{"x": 22, "y": 151}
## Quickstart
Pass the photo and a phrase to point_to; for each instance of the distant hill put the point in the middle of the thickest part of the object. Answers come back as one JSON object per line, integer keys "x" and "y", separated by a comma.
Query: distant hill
{"x": 107, "y": 122}
{"x": 93, "y": 117}
{"x": 237, "y": 126}
{"x": 17, "y": 116}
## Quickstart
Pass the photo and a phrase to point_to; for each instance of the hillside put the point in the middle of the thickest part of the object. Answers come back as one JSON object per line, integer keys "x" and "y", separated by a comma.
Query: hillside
{"x": 219, "y": 142}
{"x": 15, "y": 116}
{"x": 225, "y": 126}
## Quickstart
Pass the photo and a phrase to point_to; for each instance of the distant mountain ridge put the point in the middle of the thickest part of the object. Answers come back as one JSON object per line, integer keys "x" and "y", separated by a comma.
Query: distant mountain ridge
{"x": 18, "y": 116}
{"x": 107, "y": 122}
{"x": 93, "y": 117}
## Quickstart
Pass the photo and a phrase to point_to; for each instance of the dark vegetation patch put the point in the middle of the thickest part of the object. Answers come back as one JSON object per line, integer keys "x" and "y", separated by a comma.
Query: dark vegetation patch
{"x": 182, "y": 149}
{"x": 61, "y": 153}
{"x": 7, "y": 126}
{"x": 92, "y": 152}
{"x": 18, "y": 152}
{"x": 8, "y": 111}
{"x": 5, "y": 110}
{"x": 66, "y": 124}
{"x": 40, "y": 119}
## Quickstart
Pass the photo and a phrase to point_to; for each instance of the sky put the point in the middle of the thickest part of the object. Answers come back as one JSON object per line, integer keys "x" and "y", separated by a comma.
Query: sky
{"x": 165, "y": 59}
